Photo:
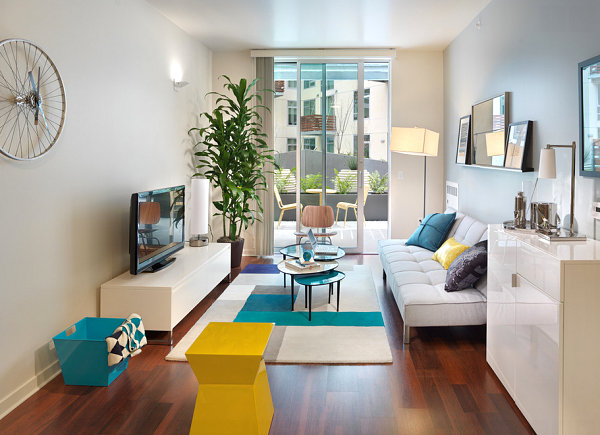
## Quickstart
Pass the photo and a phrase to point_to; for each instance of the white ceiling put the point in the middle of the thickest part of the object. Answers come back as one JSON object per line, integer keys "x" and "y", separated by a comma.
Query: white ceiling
{"x": 246, "y": 24}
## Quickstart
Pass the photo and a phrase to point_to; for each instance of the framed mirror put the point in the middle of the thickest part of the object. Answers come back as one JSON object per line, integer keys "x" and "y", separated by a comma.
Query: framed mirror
{"x": 589, "y": 117}
{"x": 489, "y": 119}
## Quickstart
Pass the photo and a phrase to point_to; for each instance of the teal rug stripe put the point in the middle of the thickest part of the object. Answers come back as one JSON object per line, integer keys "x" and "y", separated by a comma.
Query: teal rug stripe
{"x": 319, "y": 318}
{"x": 268, "y": 303}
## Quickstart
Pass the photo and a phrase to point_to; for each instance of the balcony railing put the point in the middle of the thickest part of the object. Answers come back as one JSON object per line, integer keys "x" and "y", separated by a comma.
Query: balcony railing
{"x": 315, "y": 123}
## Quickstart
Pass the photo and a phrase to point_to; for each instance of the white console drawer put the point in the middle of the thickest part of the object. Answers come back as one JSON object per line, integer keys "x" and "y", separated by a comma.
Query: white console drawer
{"x": 541, "y": 269}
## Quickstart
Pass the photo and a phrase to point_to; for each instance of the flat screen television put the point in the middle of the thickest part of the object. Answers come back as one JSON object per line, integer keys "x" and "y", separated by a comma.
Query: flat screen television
{"x": 156, "y": 228}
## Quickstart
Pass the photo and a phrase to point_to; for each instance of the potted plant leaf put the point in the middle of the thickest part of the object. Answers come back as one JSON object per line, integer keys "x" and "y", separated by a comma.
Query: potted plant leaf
{"x": 232, "y": 154}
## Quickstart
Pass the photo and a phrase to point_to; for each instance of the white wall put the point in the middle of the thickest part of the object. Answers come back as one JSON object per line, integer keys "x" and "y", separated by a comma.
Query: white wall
{"x": 417, "y": 100}
{"x": 64, "y": 220}
{"x": 530, "y": 49}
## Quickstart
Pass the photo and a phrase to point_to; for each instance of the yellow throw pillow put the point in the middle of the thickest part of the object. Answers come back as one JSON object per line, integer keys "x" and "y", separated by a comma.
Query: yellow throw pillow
{"x": 448, "y": 252}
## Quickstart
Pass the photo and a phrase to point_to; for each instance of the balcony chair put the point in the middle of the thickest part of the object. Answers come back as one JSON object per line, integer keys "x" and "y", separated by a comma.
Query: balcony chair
{"x": 284, "y": 207}
{"x": 348, "y": 205}
{"x": 319, "y": 217}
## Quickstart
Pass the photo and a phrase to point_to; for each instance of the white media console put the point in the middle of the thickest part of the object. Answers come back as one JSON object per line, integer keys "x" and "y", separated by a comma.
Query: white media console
{"x": 165, "y": 297}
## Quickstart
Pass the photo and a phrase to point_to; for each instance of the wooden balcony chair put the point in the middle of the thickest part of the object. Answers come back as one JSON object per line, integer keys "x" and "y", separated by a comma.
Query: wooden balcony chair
{"x": 284, "y": 207}
{"x": 320, "y": 218}
{"x": 348, "y": 205}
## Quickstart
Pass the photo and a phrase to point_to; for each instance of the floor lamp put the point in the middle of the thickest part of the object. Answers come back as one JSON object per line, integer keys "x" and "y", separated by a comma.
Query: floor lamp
{"x": 417, "y": 142}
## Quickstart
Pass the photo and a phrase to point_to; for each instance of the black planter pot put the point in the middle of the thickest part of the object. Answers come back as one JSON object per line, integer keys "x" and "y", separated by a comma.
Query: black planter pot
{"x": 237, "y": 248}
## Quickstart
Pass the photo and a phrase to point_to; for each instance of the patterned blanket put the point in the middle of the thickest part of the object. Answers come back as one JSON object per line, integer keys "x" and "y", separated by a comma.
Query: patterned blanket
{"x": 127, "y": 340}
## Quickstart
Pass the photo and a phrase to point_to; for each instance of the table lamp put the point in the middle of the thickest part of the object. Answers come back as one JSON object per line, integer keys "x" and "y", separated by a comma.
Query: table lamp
{"x": 548, "y": 170}
{"x": 417, "y": 142}
{"x": 199, "y": 208}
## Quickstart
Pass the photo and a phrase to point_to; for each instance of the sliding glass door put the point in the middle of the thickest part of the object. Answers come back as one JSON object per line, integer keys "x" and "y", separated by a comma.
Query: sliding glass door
{"x": 321, "y": 112}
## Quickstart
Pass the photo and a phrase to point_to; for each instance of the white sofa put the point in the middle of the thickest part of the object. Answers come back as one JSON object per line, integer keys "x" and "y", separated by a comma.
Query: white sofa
{"x": 417, "y": 282}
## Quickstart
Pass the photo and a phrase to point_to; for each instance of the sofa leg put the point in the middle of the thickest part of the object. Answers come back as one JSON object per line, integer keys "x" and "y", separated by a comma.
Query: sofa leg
{"x": 406, "y": 334}
{"x": 384, "y": 276}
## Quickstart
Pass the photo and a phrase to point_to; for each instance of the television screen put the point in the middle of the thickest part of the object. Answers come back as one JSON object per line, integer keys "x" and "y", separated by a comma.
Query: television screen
{"x": 156, "y": 228}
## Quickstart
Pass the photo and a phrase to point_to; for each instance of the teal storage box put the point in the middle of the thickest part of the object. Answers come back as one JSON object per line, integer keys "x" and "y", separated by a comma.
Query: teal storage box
{"x": 83, "y": 355}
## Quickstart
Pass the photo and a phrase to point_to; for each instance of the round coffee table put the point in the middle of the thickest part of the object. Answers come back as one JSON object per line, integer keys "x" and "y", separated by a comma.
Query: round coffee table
{"x": 327, "y": 278}
{"x": 326, "y": 267}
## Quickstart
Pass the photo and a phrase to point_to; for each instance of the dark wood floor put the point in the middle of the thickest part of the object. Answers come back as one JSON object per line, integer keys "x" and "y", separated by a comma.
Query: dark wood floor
{"x": 438, "y": 384}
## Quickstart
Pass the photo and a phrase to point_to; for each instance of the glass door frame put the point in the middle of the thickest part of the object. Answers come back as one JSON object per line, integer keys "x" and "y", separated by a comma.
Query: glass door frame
{"x": 360, "y": 63}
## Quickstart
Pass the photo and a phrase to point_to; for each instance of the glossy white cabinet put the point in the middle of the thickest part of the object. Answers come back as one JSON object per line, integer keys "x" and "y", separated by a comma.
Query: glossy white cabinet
{"x": 543, "y": 326}
{"x": 165, "y": 297}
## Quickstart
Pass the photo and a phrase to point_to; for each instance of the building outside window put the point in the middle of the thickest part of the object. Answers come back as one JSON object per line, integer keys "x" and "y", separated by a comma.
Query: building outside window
{"x": 308, "y": 84}
{"x": 330, "y": 84}
{"x": 292, "y": 112}
{"x": 330, "y": 144}
{"x": 291, "y": 84}
{"x": 367, "y": 103}
{"x": 367, "y": 144}
{"x": 309, "y": 107}
{"x": 330, "y": 100}
{"x": 291, "y": 144}
{"x": 310, "y": 143}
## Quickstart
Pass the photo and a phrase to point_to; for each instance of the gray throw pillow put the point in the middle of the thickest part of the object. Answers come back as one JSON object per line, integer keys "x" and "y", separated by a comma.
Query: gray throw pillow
{"x": 467, "y": 268}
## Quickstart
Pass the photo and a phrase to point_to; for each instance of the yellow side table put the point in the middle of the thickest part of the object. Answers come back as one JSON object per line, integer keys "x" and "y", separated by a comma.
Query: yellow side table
{"x": 234, "y": 395}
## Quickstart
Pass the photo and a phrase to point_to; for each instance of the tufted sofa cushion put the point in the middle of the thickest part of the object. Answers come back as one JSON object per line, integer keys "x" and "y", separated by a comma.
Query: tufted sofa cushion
{"x": 417, "y": 281}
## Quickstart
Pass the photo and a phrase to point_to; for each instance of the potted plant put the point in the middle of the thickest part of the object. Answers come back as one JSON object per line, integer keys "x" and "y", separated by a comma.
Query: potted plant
{"x": 233, "y": 156}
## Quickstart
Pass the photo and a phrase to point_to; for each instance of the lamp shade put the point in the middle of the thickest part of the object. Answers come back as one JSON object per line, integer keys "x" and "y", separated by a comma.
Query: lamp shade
{"x": 199, "y": 206}
{"x": 547, "y": 163}
{"x": 416, "y": 141}
{"x": 495, "y": 143}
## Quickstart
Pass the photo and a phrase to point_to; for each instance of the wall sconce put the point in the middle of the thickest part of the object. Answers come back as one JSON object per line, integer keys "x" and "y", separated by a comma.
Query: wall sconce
{"x": 179, "y": 85}
{"x": 177, "y": 77}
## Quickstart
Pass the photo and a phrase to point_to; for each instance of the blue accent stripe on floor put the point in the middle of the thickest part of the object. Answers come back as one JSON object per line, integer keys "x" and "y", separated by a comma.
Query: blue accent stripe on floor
{"x": 319, "y": 318}
{"x": 269, "y": 303}
{"x": 261, "y": 268}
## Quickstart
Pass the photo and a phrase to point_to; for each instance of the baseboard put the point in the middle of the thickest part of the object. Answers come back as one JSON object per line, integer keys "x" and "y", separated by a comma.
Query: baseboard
{"x": 29, "y": 388}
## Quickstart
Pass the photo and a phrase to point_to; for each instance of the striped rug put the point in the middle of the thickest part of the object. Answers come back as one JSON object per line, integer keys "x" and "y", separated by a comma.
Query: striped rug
{"x": 354, "y": 335}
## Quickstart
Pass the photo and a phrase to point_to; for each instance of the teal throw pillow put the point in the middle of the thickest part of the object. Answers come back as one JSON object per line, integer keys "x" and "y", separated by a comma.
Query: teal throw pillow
{"x": 432, "y": 231}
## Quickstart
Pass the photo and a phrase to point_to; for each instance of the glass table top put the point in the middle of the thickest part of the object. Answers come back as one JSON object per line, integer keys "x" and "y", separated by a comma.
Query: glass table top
{"x": 296, "y": 251}
{"x": 326, "y": 266}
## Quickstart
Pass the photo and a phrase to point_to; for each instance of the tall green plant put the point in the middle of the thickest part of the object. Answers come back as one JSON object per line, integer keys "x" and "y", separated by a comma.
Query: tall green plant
{"x": 234, "y": 154}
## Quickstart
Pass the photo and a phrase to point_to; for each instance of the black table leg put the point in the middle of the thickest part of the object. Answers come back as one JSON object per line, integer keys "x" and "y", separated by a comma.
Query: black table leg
{"x": 329, "y": 293}
{"x": 305, "y": 297}
{"x": 284, "y": 274}
{"x": 309, "y": 302}
{"x": 292, "y": 293}
{"x": 338, "y": 296}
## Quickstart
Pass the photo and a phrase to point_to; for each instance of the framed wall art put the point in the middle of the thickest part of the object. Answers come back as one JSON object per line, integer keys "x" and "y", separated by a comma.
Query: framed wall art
{"x": 518, "y": 144}
{"x": 464, "y": 140}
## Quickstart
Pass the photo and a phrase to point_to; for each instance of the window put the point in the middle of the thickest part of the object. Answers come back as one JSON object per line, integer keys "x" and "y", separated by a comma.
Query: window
{"x": 330, "y": 84}
{"x": 367, "y": 143}
{"x": 309, "y": 107}
{"x": 330, "y": 99}
{"x": 291, "y": 84}
{"x": 310, "y": 143}
{"x": 292, "y": 111}
{"x": 330, "y": 144}
{"x": 308, "y": 84}
{"x": 598, "y": 102}
{"x": 367, "y": 100}
{"x": 291, "y": 144}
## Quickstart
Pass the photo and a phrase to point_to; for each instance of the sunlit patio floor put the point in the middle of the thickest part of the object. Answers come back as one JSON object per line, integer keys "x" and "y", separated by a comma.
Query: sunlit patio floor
{"x": 346, "y": 237}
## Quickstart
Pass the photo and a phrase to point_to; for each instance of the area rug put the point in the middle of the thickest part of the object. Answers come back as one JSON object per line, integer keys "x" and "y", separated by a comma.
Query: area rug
{"x": 354, "y": 335}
